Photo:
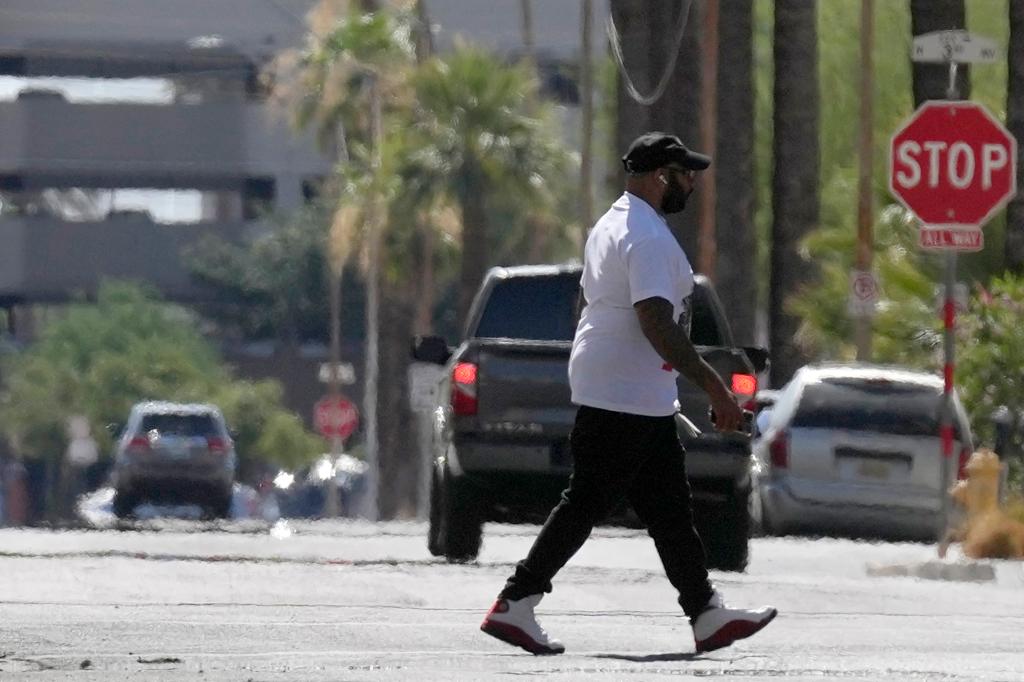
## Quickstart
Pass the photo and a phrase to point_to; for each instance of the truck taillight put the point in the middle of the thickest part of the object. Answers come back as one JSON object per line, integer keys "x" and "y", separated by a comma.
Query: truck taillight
{"x": 217, "y": 445}
{"x": 464, "y": 389}
{"x": 138, "y": 443}
{"x": 778, "y": 450}
{"x": 744, "y": 385}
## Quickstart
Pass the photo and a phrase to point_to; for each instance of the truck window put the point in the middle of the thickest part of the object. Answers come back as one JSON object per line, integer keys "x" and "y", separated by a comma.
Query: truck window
{"x": 180, "y": 424}
{"x": 891, "y": 407}
{"x": 538, "y": 308}
{"x": 703, "y": 325}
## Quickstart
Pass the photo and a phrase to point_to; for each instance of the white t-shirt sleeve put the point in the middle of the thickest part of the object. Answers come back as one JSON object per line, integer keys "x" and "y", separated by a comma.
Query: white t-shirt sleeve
{"x": 652, "y": 271}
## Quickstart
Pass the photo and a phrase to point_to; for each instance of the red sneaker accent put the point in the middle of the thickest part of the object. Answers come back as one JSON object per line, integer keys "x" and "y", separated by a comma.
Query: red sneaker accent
{"x": 500, "y": 606}
{"x": 731, "y": 632}
{"x": 510, "y": 634}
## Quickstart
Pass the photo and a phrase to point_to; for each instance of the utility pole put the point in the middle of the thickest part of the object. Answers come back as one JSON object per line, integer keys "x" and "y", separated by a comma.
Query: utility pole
{"x": 372, "y": 510}
{"x": 865, "y": 204}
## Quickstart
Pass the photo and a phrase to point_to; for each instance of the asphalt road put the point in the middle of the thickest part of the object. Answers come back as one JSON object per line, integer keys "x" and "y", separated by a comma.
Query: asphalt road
{"x": 173, "y": 600}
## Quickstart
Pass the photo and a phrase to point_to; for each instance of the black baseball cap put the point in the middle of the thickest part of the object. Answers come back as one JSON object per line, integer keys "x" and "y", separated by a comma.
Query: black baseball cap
{"x": 656, "y": 150}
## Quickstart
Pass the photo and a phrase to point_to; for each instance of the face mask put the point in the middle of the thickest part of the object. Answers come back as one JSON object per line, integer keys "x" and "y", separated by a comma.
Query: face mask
{"x": 674, "y": 200}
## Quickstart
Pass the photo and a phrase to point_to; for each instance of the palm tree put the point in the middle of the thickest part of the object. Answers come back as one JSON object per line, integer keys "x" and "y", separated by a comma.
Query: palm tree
{"x": 351, "y": 66}
{"x": 795, "y": 190}
{"x": 474, "y": 109}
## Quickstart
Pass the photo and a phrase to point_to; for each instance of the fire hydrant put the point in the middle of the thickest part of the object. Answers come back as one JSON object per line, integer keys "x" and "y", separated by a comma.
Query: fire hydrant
{"x": 985, "y": 530}
{"x": 979, "y": 494}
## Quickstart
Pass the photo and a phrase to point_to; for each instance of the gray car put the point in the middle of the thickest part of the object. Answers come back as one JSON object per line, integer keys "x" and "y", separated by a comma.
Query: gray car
{"x": 174, "y": 453}
{"x": 856, "y": 449}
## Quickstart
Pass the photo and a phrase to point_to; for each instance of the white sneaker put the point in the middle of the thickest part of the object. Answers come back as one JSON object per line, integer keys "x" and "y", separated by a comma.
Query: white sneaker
{"x": 513, "y": 622}
{"x": 719, "y": 626}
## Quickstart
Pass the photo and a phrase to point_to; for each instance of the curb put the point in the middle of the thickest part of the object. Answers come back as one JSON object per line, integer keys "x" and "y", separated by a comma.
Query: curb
{"x": 973, "y": 572}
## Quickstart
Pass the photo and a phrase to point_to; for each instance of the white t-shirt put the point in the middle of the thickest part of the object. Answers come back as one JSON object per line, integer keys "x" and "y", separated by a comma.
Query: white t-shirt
{"x": 630, "y": 255}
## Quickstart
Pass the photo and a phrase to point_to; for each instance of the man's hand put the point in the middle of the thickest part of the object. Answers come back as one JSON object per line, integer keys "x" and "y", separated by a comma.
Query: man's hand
{"x": 728, "y": 415}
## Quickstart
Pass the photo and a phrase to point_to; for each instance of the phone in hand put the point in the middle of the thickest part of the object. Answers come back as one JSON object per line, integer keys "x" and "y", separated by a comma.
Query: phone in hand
{"x": 748, "y": 420}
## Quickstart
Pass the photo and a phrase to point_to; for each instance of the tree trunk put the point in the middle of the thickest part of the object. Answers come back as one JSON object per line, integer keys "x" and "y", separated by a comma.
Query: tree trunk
{"x": 1015, "y": 121}
{"x": 795, "y": 191}
{"x": 399, "y": 452}
{"x": 586, "y": 120}
{"x": 425, "y": 295}
{"x": 633, "y": 26}
{"x": 679, "y": 112}
{"x": 734, "y": 169}
{"x": 474, "y": 237}
{"x": 647, "y": 33}
{"x": 425, "y": 299}
{"x": 931, "y": 81}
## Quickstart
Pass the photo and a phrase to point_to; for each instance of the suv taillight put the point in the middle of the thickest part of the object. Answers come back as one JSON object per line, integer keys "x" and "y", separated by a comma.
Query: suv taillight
{"x": 216, "y": 445}
{"x": 464, "y": 389}
{"x": 138, "y": 443}
{"x": 778, "y": 449}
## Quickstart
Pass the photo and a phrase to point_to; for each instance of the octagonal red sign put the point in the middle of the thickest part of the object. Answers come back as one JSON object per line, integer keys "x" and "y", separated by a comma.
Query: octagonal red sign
{"x": 953, "y": 163}
{"x": 335, "y": 417}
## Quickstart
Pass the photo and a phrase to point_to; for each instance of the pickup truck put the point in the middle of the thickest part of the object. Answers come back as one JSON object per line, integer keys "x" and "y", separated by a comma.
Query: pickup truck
{"x": 500, "y": 442}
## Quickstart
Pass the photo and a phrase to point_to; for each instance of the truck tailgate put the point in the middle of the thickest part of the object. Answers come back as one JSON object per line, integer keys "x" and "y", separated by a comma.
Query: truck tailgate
{"x": 524, "y": 389}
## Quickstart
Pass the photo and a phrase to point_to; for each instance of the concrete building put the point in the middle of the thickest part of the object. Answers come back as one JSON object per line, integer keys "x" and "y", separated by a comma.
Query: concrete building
{"x": 100, "y": 99}
{"x": 212, "y": 133}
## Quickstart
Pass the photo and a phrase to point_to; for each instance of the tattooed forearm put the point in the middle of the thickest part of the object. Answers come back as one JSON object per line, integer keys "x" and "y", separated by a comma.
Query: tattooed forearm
{"x": 673, "y": 345}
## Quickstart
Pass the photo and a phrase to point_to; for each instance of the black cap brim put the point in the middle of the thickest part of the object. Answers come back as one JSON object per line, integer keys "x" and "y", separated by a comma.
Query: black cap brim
{"x": 695, "y": 161}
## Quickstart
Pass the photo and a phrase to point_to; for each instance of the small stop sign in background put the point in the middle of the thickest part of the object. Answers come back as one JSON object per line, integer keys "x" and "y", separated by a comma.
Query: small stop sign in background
{"x": 335, "y": 417}
{"x": 953, "y": 163}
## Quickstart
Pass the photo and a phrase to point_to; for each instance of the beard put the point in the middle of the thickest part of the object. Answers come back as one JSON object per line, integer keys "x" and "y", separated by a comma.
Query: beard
{"x": 674, "y": 200}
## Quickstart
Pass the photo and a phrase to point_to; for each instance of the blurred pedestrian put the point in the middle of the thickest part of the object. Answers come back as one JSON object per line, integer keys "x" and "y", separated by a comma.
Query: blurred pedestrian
{"x": 630, "y": 345}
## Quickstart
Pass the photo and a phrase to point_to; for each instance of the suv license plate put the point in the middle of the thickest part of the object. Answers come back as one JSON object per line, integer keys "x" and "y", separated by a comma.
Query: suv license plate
{"x": 873, "y": 468}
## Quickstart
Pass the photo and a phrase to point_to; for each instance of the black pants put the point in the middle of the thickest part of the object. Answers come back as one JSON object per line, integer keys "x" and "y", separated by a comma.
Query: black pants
{"x": 616, "y": 455}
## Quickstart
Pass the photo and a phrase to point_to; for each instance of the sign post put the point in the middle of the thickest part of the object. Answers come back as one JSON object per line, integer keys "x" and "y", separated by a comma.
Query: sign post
{"x": 335, "y": 418}
{"x": 952, "y": 164}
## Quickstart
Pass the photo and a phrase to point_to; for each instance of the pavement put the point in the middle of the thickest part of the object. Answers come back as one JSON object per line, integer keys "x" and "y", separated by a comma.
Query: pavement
{"x": 171, "y": 599}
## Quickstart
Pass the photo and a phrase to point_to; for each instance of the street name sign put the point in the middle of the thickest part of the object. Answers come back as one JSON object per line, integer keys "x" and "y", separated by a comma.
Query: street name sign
{"x": 954, "y": 46}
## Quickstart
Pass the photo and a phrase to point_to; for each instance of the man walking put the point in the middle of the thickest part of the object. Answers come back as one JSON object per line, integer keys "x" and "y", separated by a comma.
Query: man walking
{"x": 631, "y": 343}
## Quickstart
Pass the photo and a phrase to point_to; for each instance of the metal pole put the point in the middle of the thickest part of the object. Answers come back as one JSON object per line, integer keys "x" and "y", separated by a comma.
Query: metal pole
{"x": 372, "y": 511}
{"x": 949, "y": 339}
{"x": 865, "y": 211}
{"x": 332, "y": 503}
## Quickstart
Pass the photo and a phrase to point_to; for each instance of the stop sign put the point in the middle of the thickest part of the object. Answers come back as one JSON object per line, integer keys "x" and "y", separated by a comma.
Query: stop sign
{"x": 335, "y": 417}
{"x": 953, "y": 163}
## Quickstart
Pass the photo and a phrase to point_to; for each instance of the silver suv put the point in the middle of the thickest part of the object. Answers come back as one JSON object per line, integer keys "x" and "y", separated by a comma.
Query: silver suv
{"x": 857, "y": 448}
{"x": 174, "y": 453}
